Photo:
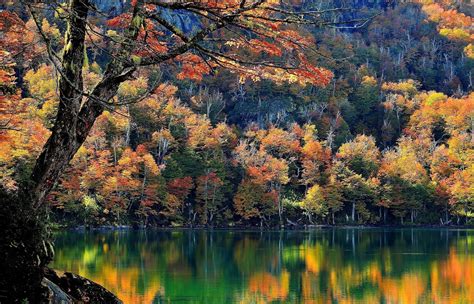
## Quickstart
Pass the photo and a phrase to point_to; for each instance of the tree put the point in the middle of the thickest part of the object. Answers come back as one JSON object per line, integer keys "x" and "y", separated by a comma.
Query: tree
{"x": 314, "y": 203}
{"x": 252, "y": 202}
{"x": 333, "y": 197}
{"x": 210, "y": 103}
{"x": 133, "y": 42}
{"x": 443, "y": 125}
{"x": 209, "y": 195}
{"x": 405, "y": 180}
{"x": 357, "y": 193}
{"x": 315, "y": 158}
{"x": 399, "y": 104}
{"x": 178, "y": 191}
{"x": 263, "y": 169}
{"x": 452, "y": 23}
{"x": 365, "y": 100}
{"x": 360, "y": 155}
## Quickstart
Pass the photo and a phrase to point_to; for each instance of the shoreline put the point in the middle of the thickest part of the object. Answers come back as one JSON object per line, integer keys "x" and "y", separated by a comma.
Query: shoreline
{"x": 258, "y": 229}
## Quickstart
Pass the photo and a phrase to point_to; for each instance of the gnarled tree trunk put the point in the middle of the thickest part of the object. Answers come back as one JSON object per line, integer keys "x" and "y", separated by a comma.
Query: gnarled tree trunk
{"x": 76, "y": 116}
{"x": 26, "y": 245}
{"x": 64, "y": 142}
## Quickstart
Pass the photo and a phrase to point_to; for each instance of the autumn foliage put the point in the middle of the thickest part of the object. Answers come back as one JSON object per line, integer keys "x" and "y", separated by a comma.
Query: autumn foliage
{"x": 252, "y": 126}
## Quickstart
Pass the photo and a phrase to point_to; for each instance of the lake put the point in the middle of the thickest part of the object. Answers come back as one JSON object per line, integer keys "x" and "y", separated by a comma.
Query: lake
{"x": 321, "y": 266}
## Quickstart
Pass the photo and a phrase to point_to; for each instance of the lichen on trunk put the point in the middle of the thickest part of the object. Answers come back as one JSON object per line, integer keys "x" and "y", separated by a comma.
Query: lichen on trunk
{"x": 26, "y": 242}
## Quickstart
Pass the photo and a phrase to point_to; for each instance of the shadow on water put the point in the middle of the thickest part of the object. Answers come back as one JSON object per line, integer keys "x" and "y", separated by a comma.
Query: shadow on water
{"x": 330, "y": 265}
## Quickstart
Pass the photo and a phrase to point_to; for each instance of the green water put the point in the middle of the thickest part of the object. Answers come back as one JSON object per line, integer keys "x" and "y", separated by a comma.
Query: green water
{"x": 323, "y": 266}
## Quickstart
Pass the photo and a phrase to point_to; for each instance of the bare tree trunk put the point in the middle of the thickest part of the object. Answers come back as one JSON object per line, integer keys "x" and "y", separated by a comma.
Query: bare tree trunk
{"x": 77, "y": 112}
{"x": 75, "y": 118}
{"x": 206, "y": 195}
{"x": 353, "y": 212}
{"x": 63, "y": 144}
{"x": 26, "y": 261}
{"x": 280, "y": 207}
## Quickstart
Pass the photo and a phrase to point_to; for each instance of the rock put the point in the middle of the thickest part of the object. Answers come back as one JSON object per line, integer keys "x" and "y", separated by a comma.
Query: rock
{"x": 71, "y": 287}
{"x": 56, "y": 294}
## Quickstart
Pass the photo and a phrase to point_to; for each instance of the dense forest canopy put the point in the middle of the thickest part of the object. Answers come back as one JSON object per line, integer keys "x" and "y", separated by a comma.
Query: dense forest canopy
{"x": 289, "y": 113}
{"x": 373, "y": 123}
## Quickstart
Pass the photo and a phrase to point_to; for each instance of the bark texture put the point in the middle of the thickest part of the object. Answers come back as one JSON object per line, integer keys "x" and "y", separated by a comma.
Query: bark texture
{"x": 64, "y": 142}
{"x": 77, "y": 110}
{"x": 25, "y": 242}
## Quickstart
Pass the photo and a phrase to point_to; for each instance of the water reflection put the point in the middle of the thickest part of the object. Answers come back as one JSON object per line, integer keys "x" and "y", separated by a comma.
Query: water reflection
{"x": 328, "y": 266}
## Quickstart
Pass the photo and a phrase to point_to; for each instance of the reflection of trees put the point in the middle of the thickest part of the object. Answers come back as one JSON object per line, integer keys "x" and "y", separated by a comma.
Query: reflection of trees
{"x": 338, "y": 266}
{"x": 252, "y": 254}
{"x": 269, "y": 286}
{"x": 123, "y": 265}
{"x": 453, "y": 279}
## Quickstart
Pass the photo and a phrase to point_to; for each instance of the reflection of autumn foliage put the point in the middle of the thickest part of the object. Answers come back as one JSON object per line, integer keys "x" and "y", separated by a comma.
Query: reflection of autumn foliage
{"x": 408, "y": 289}
{"x": 328, "y": 278}
{"x": 313, "y": 257}
{"x": 126, "y": 269}
{"x": 453, "y": 279}
{"x": 448, "y": 281}
{"x": 270, "y": 286}
{"x": 125, "y": 283}
{"x": 269, "y": 269}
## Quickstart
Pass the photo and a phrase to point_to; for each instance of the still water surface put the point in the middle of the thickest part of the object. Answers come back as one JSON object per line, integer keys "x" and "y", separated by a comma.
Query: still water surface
{"x": 323, "y": 266}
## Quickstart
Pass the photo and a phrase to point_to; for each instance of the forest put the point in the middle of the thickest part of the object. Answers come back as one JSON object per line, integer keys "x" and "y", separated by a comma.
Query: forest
{"x": 383, "y": 135}
{"x": 239, "y": 113}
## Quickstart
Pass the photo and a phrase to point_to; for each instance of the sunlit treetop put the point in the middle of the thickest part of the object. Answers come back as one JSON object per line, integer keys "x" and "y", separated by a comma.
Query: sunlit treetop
{"x": 362, "y": 146}
{"x": 404, "y": 162}
{"x": 407, "y": 87}
{"x": 457, "y": 113}
{"x": 452, "y": 23}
